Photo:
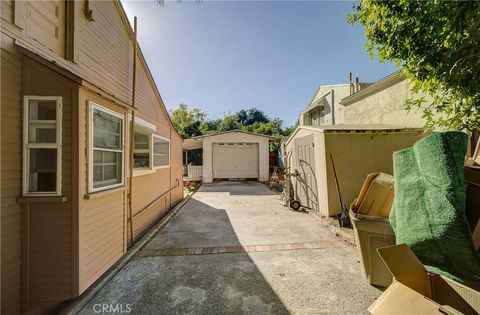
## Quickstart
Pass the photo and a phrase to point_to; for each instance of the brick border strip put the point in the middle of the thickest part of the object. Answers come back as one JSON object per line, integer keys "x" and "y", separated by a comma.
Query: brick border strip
{"x": 227, "y": 249}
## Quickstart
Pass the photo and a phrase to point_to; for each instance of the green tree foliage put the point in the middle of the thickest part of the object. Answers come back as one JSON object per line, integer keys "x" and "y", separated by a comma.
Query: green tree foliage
{"x": 191, "y": 122}
{"x": 187, "y": 121}
{"x": 438, "y": 45}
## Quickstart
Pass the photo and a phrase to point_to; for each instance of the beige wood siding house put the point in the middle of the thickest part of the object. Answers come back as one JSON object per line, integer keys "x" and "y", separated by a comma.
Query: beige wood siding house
{"x": 66, "y": 108}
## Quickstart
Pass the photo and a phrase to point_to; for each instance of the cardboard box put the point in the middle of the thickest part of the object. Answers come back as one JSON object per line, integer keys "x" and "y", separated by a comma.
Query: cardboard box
{"x": 415, "y": 291}
{"x": 378, "y": 199}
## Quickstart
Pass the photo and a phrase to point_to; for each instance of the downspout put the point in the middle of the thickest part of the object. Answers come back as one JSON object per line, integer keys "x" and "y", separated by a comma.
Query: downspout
{"x": 132, "y": 132}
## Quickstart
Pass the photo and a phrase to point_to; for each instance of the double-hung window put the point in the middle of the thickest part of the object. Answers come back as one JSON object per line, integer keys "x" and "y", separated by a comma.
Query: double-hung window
{"x": 106, "y": 162}
{"x": 42, "y": 145}
{"x": 142, "y": 150}
{"x": 161, "y": 152}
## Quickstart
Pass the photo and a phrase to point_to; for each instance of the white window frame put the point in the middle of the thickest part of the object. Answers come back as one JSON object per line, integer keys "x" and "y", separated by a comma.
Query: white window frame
{"x": 153, "y": 152}
{"x": 92, "y": 107}
{"x": 27, "y": 145}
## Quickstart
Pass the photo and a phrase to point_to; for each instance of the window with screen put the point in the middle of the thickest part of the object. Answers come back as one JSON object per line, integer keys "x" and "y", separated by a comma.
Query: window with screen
{"x": 161, "y": 152}
{"x": 42, "y": 145}
{"x": 106, "y": 148}
{"x": 141, "y": 150}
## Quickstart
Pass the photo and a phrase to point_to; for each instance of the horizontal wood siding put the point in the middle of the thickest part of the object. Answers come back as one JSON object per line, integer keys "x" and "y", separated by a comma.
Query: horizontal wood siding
{"x": 67, "y": 246}
{"x": 101, "y": 219}
{"x": 105, "y": 50}
{"x": 147, "y": 207}
{"x": 49, "y": 234}
{"x": 102, "y": 235}
{"x": 148, "y": 103}
{"x": 177, "y": 167}
{"x": 11, "y": 172}
{"x": 6, "y": 7}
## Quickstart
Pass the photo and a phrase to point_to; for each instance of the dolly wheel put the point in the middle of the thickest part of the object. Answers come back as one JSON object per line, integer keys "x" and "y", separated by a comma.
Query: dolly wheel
{"x": 295, "y": 205}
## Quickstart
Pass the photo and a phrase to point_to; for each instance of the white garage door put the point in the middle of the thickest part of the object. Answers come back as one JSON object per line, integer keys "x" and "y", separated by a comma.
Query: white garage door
{"x": 235, "y": 160}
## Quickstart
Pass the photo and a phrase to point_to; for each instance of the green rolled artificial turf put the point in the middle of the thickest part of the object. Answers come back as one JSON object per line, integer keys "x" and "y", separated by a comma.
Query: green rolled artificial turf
{"x": 428, "y": 213}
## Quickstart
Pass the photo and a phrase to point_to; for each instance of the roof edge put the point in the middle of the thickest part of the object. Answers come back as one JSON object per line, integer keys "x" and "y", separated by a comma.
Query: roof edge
{"x": 381, "y": 84}
{"x": 231, "y": 131}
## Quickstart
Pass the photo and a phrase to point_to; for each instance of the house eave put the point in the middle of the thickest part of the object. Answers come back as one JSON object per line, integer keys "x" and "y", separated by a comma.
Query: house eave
{"x": 378, "y": 86}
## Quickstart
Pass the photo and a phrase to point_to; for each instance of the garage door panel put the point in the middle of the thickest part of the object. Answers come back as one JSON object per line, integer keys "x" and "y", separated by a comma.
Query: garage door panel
{"x": 235, "y": 160}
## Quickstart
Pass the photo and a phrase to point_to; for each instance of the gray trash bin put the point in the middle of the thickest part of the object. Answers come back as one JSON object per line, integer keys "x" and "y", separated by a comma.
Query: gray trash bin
{"x": 372, "y": 233}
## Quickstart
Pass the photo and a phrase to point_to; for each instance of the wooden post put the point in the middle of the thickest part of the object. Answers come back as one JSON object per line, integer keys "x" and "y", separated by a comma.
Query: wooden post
{"x": 132, "y": 132}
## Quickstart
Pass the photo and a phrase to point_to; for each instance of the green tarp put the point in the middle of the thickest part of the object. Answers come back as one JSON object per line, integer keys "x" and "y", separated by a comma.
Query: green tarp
{"x": 428, "y": 213}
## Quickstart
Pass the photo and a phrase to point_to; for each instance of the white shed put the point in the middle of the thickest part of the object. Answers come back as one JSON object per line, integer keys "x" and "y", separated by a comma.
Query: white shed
{"x": 357, "y": 151}
{"x": 234, "y": 154}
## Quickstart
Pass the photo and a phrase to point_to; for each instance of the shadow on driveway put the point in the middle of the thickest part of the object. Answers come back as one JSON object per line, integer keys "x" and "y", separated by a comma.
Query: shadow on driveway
{"x": 227, "y": 283}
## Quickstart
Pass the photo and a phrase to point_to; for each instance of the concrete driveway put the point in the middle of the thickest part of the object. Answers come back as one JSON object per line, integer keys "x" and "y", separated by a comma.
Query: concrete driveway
{"x": 234, "y": 249}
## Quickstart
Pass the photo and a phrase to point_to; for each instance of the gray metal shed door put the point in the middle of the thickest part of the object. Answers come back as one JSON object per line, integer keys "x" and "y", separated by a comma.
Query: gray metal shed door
{"x": 305, "y": 184}
{"x": 235, "y": 160}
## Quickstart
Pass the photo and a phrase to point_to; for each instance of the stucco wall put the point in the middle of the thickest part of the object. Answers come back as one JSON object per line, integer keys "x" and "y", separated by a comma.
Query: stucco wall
{"x": 235, "y": 137}
{"x": 384, "y": 107}
{"x": 332, "y": 104}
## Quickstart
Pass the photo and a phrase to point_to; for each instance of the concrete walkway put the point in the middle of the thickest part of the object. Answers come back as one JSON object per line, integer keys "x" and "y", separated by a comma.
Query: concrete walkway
{"x": 234, "y": 249}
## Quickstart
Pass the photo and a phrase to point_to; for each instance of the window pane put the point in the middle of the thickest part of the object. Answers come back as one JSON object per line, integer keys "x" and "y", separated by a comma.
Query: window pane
{"x": 141, "y": 160}
{"x": 110, "y": 172}
{"x": 160, "y": 160}
{"x": 97, "y": 173}
{"x": 110, "y": 157}
{"x": 107, "y": 168}
{"x": 160, "y": 146}
{"x": 42, "y": 109}
{"x": 107, "y": 130}
{"x": 42, "y": 170}
{"x": 142, "y": 141}
{"x": 42, "y": 133}
{"x": 97, "y": 157}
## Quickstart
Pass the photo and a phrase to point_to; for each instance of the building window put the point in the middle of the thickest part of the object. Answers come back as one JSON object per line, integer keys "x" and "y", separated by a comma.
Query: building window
{"x": 42, "y": 145}
{"x": 161, "y": 152}
{"x": 106, "y": 148}
{"x": 141, "y": 151}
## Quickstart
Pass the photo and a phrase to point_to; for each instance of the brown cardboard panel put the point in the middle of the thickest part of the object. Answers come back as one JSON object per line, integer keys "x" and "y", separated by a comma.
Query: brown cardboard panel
{"x": 417, "y": 292}
{"x": 406, "y": 268}
{"x": 379, "y": 198}
{"x": 454, "y": 294}
{"x": 363, "y": 191}
{"x": 400, "y": 299}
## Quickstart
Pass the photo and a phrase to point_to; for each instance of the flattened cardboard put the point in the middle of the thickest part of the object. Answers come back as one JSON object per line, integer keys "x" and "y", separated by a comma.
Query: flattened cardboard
{"x": 406, "y": 267}
{"x": 394, "y": 299}
{"x": 379, "y": 197}
{"x": 416, "y": 291}
{"x": 363, "y": 191}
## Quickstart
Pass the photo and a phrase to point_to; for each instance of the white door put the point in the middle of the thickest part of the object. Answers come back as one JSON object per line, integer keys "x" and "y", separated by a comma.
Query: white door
{"x": 235, "y": 160}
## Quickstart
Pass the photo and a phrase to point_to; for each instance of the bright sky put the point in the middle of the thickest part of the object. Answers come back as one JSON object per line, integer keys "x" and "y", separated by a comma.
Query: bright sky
{"x": 224, "y": 56}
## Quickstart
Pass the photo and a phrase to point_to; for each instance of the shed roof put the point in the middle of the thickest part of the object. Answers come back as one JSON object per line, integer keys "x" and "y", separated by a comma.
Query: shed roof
{"x": 366, "y": 128}
{"x": 197, "y": 142}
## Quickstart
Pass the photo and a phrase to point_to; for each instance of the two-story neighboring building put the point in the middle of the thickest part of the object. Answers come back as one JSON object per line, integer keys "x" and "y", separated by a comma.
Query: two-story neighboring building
{"x": 357, "y": 126}
{"x": 382, "y": 102}
{"x": 70, "y": 90}
{"x": 326, "y": 108}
